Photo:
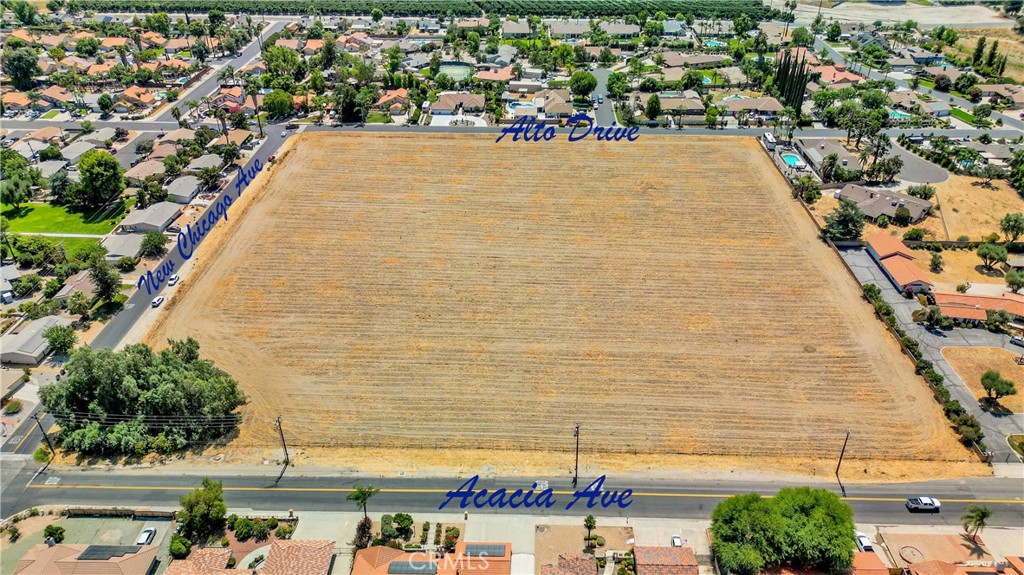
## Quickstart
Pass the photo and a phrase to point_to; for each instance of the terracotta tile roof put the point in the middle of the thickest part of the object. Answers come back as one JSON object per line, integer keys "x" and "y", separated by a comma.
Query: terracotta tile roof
{"x": 18, "y": 99}
{"x": 176, "y": 44}
{"x": 203, "y": 561}
{"x": 393, "y": 96}
{"x": 1017, "y": 563}
{"x": 665, "y": 561}
{"x": 299, "y": 557}
{"x": 500, "y": 75}
{"x": 114, "y": 42}
{"x": 57, "y": 93}
{"x": 63, "y": 558}
{"x": 886, "y": 245}
{"x": 867, "y": 563}
{"x": 313, "y": 45}
{"x": 934, "y": 567}
{"x": 290, "y": 43}
{"x": 464, "y": 564}
{"x": 572, "y": 564}
{"x": 45, "y": 134}
{"x": 1009, "y": 302}
{"x": 370, "y": 560}
{"x": 904, "y": 271}
{"x": 835, "y": 74}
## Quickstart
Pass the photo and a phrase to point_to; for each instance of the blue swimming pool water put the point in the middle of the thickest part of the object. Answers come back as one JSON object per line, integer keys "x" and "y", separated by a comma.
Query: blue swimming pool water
{"x": 792, "y": 160}
{"x": 715, "y": 43}
{"x": 899, "y": 115}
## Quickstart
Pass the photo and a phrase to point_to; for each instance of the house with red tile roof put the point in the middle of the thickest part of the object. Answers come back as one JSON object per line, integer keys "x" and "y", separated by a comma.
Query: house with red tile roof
{"x": 975, "y": 307}
{"x": 23, "y": 35}
{"x": 835, "y": 74}
{"x": 17, "y": 100}
{"x": 571, "y": 564}
{"x": 665, "y": 561}
{"x": 137, "y": 97}
{"x": 299, "y": 557}
{"x": 800, "y": 53}
{"x": 100, "y": 69}
{"x": 87, "y": 560}
{"x": 390, "y": 97}
{"x": 313, "y": 45}
{"x": 52, "y": 41}
{"x": 153, "y": 39}
{"x": 469, "y": 558}
{"x": 203, "y": 561}
{"x": 897, "y": 262}
{"x": 112, "y": 43}
{"x": 57, "y": 96}
{"x": 290, "y": 43}
{"x": 867, "y": 563}
{"x": 496, "y": 75}
{"x": 175, "y": 45}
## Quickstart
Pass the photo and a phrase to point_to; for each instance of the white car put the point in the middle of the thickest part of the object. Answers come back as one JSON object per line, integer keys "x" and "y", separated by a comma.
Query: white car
{"x": 158, "y": 300}
{"x": 284, "y": 134}
{"x": 863, "y": 542}
{"x": 923, "y": 504}
{"x": 146, "y": 537}
{"x": 677, "y": 541}
{"x": 173, "y": 280}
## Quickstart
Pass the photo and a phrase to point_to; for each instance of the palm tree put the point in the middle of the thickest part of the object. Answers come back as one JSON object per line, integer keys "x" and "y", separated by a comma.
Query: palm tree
{"x": 227, "y": 74}
{"x": 176, "y": 114}
{"x": 976, "y": 519}
{"x": 590, "y": 523}
{"x": 222, "y": 116}
{"x": 361, "y": 496}
{"x": 252, "y": 90}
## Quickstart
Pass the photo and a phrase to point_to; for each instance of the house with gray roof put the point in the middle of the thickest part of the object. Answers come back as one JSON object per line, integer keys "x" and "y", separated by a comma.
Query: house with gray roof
{"x": 154, "y": 218}
{"x": 520, "y": 29}
{"x": 76, "y": 150}
{"x": 569, "y": 29}
{"x": 675, "y": 28}
{"x": 204, "y": 161}
{"x": 183, "y": 189}
{"x": 50, "y": 167}
{"x": 122, "y": 246}
{"x": 78, "y": 282}
{"x": 620, "y": 29}
{"x": 28, "y": 346}
{"x": 8, "y": 274}
{"x": 815, "y": 150}
{"x": 504, "y": 57}
{"x": 878, "y": 203}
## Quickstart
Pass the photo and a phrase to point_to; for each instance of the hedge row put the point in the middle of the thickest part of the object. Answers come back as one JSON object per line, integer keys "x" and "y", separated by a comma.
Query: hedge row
{"x": 724, "y": 9}
{"x": 965, "y": 424}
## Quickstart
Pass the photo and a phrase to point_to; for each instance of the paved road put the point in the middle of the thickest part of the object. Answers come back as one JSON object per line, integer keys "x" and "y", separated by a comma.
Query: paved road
{"x": 917, "y": 169}
{"x": 1014, "y": 124}
{"x": 871, "y": 503}
{"x": 606, "y": 111}
{"x": 996, "y": 427}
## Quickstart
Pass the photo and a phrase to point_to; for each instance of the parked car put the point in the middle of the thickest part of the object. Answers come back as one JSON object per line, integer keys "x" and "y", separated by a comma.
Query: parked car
{"x": 1017, "y": 340}
{"x": 284, "y": 134}
{"x": 291, "y": 126}
{"x": 923, "y": 504}
{"x": 146, "y": 537}
{"x": 158, "y": 300}
{"x": 863, "y": 542}
{"x": 271, "y": 159}
{"x": 173, "y": 280}
{"x": 677, "y": 541}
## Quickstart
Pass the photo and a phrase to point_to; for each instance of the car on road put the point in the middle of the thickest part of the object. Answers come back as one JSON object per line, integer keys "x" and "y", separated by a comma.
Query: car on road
{"x": 284, "y": 134}
{"x": 1017, "y": 340}
{"x": 600, "y": 98}
{"x": 291, "y": 126}
{"x": 677, "y": 541}
{"x": 271, "y": 159}
{"x": 864, "y": 543}
{"x": 923, "y": 504}
{"x": 158, "y": 300}
{"x": 146, "y": 537}
{"x": 173, "y": 280}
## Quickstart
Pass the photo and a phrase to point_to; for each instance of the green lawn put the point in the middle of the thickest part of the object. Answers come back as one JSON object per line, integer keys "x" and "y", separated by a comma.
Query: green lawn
{"x": 184, "y": 55}
{"x": 51, "y": 114}
{"x": 47, "y": 218}
{"x": 962, "y": 115}
{"x": 378, "y": 118}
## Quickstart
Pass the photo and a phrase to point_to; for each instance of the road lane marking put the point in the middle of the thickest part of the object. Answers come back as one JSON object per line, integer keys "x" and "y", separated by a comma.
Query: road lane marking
{"x": 445, "y": 491}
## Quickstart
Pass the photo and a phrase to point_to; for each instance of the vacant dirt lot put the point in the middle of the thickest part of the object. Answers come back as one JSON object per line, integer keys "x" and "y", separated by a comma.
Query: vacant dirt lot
{"x": 444, "y": 292}
{"x": 1010, "y": 45}
{"x": 973, "y": 210}
{"x": 959, "y": 266}
{"x": 971, "y": 362}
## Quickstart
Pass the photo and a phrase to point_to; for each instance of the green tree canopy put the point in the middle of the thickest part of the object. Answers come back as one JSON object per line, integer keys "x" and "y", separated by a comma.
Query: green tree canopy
{"x": 582, "y": 83}
{"x": 61, "y": 338}
{"x": 845, "y": 223}
{"x": 203, "y": 511}
{"x": 102, "y": 178}
{"x": 278, "y": 104}
{"x": 21, "y": 66}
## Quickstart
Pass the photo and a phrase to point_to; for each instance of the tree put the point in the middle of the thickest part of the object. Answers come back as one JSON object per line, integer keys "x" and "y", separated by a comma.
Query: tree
{"x": 87, "y": 47}
{"x": 845, "y": 223}
{"x": 618, "y": 85}
{"x": 209, "y": 176}
{"x": 590, "y": 523}
{"x": 923, "y": 191}
{"x": 752, "y": 533}
{"x": 943, "y": 83}
{"x": 582, "y": 83}
{"x": 979, "y": 52}
{"x": 78, "y": 304}
{"x": 61, "y": 338}
{"x": 203, "y": 511}
{"x": 807, "y": 188}
{"x": 992, "y": 254}
{"x": 16, "y": 188}
{"x": 106, "y": 104}
{"x": 1014, "y": 280}
{"x": 102, "y": 178}
{"x": 653, "y": 108}
{"x": 106, "y": 281}
{"x": 22, "y": 66}
{"x": 1012, "y": 226}
{"x": 976, "y": 519}
{"x": 54, "y": 532}
{"x": 278, "y": 104}
{"x": 711, "y": 117}
{"x": 834, "y": 31}
{"x": 153, "y": 244}
{"x": 996, "y": 386}
{"x": 802, "y": 37}
{"x": 936, "y": 263}
{"x": 23, "y": 11}
{"x": 361, "y": 496}
{"x": 902, "y": 216}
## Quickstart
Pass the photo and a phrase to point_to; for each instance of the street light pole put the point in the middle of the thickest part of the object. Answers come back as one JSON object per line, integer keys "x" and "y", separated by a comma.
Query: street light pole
{"x": 841, "y": 453}
{"x": 576, "y": 474}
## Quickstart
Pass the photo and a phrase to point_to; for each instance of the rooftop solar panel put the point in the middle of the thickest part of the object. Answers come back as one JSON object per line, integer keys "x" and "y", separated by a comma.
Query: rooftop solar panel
{"x": 105, "y": 552}
{"x": 485, "y": 550}
{"x": 412, "y": 568}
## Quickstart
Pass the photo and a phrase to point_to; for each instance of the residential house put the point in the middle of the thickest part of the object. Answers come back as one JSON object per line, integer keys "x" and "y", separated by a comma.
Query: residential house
{"x": 571, "y": 564}
{"x": 8, "y": 273}
{"x": 175, "y": 136}
{"x": 392, "y": 97}
{"x": 468, "y": 558}
{"x": 480, "y": 23}
{"x": 835, "y": 74}
{"x": 496, "y": 75}
{"x": 75, "y": 63}
{"x": 153, "y": 39}
{"x": 52, "y": 41}
{"x": 920, "y": 56}
{"x": 312, "y": 46}
{"x": 237, "y": 137}
{"x": 675, "y": 28}
{"x": 525, "y": 86}
{"x": 50, "y": 167}
{"x": 515, "y": 29}
{"x": 569, "y": 29}
{"x": 16, "y": 101}
{"x": 78, "y": 282}
{"x": 993, "y": 153}
{"x": 113, "y": 43}
{"x": 878, "y": 203}
{"x": 897, "y": 262}
{"x": 101, "y": 69}
{"x": 665, "y": 560}
{"x": 901, "y": 65}
{"x": 595, "y": 51}
{"x": 58, "y": 96}
{"x": 28, "y": 346}
{"x": 154, "y": 218}
{"x": 47, "y": 135}
{"x": 294, "y": 44}
{"x": 865, "y": 39}
{"x": 415, "y": 62}
{"x": 800, "y": 53}
{"x": 815, "y": 150}
{"x": 448, "y": 102}
{"x": 948, "y": 71}
{"x": 1012, "y": 95}
{"x": 122, "y": 246}
{"x": 689, "y": 104}
{"x": 203, "y": 561}
{"x": 504, "y": 57}
{"x": 975, "y": 307}
{"x": 75, "y": 151}
{"x": 705, "y": 60}
{"x": 138, "y": 173}
{"x": 175, "y": 45}
{"x": 867, "y": 563}
{"x": 298, "y": 557}
{"x": 135, "y": 97}
{"x": 620, "y": 30}
{"x": 202, "y": 162}
{"x": 183, "y": 189}
{"x": 766, "y": 106}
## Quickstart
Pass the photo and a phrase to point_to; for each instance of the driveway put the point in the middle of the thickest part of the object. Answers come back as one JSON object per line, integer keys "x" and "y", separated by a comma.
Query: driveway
{"x": 996, "y": 427}
{"x": 917, "y": 169}
{"x": 605, "y": 112}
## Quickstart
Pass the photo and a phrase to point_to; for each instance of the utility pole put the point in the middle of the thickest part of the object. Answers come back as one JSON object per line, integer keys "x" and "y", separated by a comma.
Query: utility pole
{"x": 284, "y": 445}
{"x": 841, "y": 453}
{"x": 576, "y": 474}
{"x": 46, "y": 438}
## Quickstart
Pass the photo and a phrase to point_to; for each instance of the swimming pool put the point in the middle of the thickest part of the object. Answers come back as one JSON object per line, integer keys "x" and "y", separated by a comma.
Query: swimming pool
{"x": 515, "y": 105}
{"x": 715, "y": 43}
{"x": 793, "y": 160}
{"x": 734, "y": 97}
{"x": 705, "y": 80}
{"x": 899, "y": 115}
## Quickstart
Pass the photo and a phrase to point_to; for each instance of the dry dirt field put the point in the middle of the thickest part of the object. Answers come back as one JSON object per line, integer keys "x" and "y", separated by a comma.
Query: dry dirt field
{"x": 554, "y": 540}
{"x": 1011, "y": 44}
{"x": 972, "y": 210}
{"x": 971, "y": 362}
{"x": 456, "y": 297}
{"x": 959, "y": 266}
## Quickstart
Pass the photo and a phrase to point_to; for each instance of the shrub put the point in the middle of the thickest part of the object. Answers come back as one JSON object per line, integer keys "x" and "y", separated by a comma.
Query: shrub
{"x": 914, "y": 235}
{"x": 244, "y": 529}
{"x": 284, "y": 532}
{"x": 13, "y": 533}
{"x": 963, "y": 238}
{"x": 882, "y": 222}
{"x": 42, "y": 455}
{"x": 425, "y": 533}
{"x": 271, "y": 523}
{"x": 260, "y": 531}
{"x": 127, "y": 263}
{"x": 224, "y": 542}
{"x": 600, "y": 541}
{"x": 255, "y": 562}
{"x": 54, "y": 531}
{"x": 13, "y": 406}
{"x": 231, "y": 562}
{"x": 231, "y": 521}
{"x": 961, "y": 288}
{"x": 437, "y": 534}
{"x": 180, "y": 547}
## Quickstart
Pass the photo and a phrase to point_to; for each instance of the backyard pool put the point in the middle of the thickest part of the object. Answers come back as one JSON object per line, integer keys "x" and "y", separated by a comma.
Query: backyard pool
{"x": 457, "y": 72}
{"x": 715, "y": 43}
{"x": 705, "y": 80}
{"x": 793, "y": 161}
{"x": 183, "y": 80}
{"x": 899, "y": 115}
